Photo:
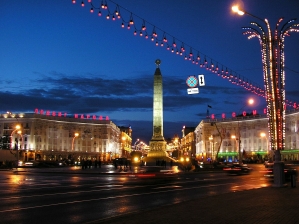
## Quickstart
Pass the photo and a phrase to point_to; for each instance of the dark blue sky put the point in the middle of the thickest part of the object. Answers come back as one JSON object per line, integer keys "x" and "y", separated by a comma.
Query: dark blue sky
{"x": 57, "y": 56}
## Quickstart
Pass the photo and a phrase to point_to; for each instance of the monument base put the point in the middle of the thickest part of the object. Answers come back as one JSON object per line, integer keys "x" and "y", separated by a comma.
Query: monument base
{"x": 157, "y": 154}
{"x": 157, "y": 150}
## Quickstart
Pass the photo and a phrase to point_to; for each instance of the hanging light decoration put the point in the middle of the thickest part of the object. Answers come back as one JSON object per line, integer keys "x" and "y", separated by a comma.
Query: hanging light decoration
{"x": 131, "y": 20}
{"x": 234, "y": 79}
{"x": 143, "y": 26}
{"x": 164, "y": 38}
{"x": 173, "y": 43}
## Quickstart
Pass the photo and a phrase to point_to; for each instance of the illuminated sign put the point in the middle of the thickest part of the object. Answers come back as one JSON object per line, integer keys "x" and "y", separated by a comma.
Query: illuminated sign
{"x": 234, "y": 114}
{"x": 60, "y": 114}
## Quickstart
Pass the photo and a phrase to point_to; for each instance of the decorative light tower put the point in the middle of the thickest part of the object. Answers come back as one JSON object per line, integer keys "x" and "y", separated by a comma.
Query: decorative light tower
{"x": 273, "y": 59}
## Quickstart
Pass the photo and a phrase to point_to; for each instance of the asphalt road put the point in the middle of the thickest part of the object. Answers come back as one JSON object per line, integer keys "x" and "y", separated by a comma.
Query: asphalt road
{"x": 68, "y": 197}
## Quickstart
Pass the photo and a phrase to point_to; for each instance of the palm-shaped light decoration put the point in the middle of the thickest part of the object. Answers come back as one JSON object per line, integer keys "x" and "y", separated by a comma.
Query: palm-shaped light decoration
{"x": 273, "y": 59}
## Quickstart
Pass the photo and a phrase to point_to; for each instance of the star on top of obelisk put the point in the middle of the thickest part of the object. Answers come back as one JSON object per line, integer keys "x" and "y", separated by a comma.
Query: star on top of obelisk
{"x": 158, "y": 62}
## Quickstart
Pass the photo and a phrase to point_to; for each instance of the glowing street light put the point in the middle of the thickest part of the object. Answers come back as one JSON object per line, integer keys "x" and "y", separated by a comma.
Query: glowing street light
{"x": 236, "y": 9}
{"x": 249, "y": 102}
{"x": 20, "y": 133}
{"x": 273, "y": 59}
{"x": 12, "y": 133}
{"x": 75, "y": 136}
{"x": 17, "y": 128}
{"x": 237, "y": 146}
{"x": 263, "y": 135}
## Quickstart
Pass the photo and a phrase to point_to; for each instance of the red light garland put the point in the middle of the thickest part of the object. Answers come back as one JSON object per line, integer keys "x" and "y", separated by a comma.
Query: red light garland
{"x": 238, "y": 80}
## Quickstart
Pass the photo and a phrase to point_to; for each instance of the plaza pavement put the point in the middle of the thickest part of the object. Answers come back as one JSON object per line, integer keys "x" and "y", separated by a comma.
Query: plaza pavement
{"x": 257, "y": 206}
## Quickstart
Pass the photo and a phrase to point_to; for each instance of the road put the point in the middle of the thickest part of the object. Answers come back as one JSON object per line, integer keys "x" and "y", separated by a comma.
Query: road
{"x": 68, "y": 197}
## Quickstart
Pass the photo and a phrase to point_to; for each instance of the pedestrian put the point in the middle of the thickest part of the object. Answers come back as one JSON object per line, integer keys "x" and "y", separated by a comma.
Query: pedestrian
{"x": 100, "y": 163}
{"x": 83, "y": 164}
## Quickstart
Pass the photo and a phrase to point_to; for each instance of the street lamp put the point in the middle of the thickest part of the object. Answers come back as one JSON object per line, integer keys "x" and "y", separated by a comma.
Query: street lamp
{"x": 263, "y": 135}
{"x": 238, "y": 138}
{"x": 273, "y": 59}
{"x": 237, "y": 146}
{"x": 75, "y": 135}
{"x": 17, "y": 128}
{"x": 20, "y": 133}
{"x": 211, "y": 143}
{"x": 11, "y": 135}
{"x": 123, "y": 147}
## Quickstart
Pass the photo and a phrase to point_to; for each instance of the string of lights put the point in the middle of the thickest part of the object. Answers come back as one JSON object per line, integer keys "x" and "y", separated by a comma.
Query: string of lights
{"x": 174, "y": 45}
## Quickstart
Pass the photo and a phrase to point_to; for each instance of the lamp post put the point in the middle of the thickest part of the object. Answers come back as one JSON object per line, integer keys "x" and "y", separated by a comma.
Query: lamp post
{"x": 75, "y": 135}
{"x": 263, "y": 135}
{"x": 238, "y": 138}
{"x": 237, "y": 146}
{"x": 211, "y": 146}
{"x": 17, "y": 128}
{"x": 20, "y": 133}
{"x": 123, "y": 148}
{"x": 273, "y": 59}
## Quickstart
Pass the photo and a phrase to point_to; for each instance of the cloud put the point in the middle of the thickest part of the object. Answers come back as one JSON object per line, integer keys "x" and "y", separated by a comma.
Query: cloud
{"x": 89, "y": 94}
{"x": 126, "y": 101}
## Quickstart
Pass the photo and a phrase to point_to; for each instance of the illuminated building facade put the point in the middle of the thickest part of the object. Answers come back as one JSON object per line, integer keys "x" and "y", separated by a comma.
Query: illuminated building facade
{"x": 59, "y": 137}
{"x": 214, "y": 138}
{"x": 126, "y": 141}
{"x": 188, "y": 141}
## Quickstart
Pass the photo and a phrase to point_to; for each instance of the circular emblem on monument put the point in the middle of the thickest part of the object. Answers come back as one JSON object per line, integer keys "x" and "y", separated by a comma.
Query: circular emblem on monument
{"x": 157, "y": 129}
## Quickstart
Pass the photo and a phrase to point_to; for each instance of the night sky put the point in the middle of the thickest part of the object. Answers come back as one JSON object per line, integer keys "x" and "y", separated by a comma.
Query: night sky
{"x": 58, "y": 56}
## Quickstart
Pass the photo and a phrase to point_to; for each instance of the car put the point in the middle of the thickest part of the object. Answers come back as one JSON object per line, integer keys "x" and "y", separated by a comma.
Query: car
{"x": 268, "y": 164}
{"x": 156, "y": 172}
{"x": 288, "y": 172}
{"x": 237, "y": 169}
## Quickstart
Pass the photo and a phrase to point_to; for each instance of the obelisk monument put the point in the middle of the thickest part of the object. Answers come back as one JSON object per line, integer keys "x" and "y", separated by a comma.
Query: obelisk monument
{"x": 157, "y": 143}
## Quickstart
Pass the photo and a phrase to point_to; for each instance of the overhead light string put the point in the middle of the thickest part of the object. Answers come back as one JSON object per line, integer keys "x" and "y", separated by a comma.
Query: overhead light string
{"x": 211, "y": 66}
